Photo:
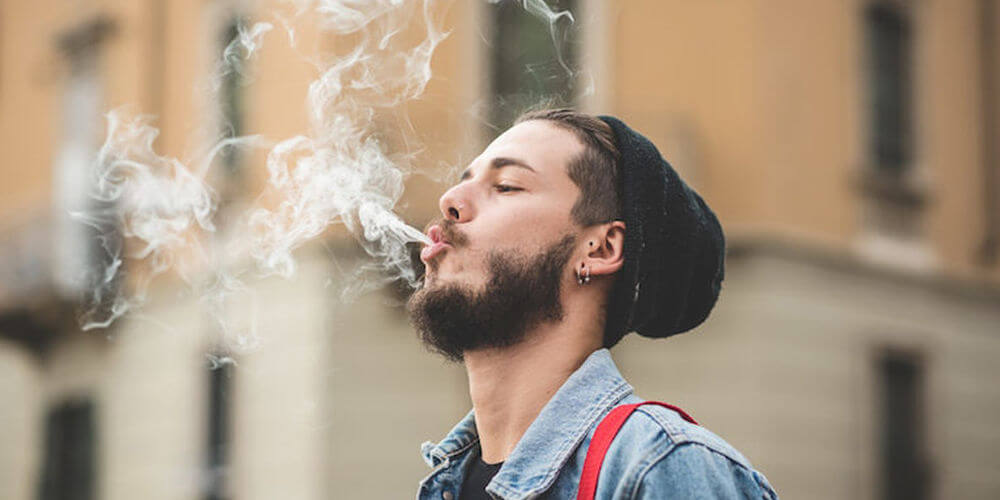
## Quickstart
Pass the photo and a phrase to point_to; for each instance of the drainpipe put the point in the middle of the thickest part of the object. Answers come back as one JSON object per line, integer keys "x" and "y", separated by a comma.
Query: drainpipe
{"x": 987, "y": 39}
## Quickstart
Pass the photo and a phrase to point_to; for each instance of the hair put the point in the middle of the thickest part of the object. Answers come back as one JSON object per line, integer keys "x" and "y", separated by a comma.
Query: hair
{"x": 594, "y": 170}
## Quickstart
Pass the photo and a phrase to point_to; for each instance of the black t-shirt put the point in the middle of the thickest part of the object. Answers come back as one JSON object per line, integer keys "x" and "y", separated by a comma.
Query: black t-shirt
{"x": 477, "y": 477}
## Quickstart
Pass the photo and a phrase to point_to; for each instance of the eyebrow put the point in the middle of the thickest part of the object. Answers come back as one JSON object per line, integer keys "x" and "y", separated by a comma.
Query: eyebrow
{"x": 501, "y": 162}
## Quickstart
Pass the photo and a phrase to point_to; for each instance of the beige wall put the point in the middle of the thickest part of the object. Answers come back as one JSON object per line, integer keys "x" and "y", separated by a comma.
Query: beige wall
{"x": 786, "y": 371}
{"x": 759, "y": 104}
{"x": 770, "y": 97}
{"x": 21, "y": 419}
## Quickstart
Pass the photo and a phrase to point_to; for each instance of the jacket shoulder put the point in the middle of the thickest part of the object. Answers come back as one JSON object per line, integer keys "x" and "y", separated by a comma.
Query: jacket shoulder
{"x": 654, "y": 418}
{"x": 658, "y": 452}
{"x": 692, "y": 471}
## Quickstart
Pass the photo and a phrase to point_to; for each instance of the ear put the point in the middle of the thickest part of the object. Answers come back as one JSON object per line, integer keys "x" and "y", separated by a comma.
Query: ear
{"x": 607, "y": 254}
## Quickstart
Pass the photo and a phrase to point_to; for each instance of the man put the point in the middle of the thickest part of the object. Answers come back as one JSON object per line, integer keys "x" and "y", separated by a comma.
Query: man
{"x": 566, "y": 233}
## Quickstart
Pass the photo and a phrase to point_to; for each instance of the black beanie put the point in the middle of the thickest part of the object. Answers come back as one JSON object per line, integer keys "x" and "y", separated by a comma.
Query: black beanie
{"x": 674, "y": 246}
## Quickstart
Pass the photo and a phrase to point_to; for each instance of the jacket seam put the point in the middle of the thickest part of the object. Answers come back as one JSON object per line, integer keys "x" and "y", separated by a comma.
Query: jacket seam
{"x": 664, "y": 454}
{"x": 679, "y": 436}
{"x": 597, "y": 410}
{"x": 653, "y": 456}
{"x": 442, "y": 455}
{"x": 462, "y": 449}
{"x": 670, "y": 428}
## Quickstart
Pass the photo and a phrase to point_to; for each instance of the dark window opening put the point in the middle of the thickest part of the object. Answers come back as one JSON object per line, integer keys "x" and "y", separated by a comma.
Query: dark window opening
{"x": 68, "y": 467}
{"x": 87, "y": 252}
{"x": 888, "y": 43}
{"x": 905, "y": 471}
{"x": 231, "y": 93}
{"x": 528, "y": 64}
{"x": 219, "y": 416}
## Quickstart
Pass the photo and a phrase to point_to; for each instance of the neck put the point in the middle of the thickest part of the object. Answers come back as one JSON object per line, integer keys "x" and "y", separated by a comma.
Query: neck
{"x": 510, "y": 386}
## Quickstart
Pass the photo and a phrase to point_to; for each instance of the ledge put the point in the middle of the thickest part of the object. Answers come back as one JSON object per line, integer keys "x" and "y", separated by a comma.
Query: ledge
{"x": 899, "y": 190}
{"x": 843, "y": 262}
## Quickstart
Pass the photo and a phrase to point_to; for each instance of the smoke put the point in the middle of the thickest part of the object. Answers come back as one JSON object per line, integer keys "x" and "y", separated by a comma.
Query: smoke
{"x": 558, "y": 31}
{"x": 157, "y": 214}
{"x": 340, "y": 173}
{"x": 153, "y": 206}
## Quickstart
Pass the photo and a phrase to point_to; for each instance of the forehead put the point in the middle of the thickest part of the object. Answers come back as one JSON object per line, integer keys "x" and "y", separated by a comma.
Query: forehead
{"x": 544, "y": 146}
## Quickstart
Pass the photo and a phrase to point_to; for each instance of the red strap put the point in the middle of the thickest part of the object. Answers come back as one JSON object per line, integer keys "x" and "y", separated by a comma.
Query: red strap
{"x": 601, "y": 441}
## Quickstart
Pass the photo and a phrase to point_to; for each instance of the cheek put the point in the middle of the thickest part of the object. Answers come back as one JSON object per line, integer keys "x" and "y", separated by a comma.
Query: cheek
{"x": 536, "y": 227}
{"x": 513, "y": 227}
{"x": 526, "y": 221}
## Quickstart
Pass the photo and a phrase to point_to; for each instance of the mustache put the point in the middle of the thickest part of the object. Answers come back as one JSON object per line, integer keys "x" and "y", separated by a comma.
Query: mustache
{"x": 449, "y": 231}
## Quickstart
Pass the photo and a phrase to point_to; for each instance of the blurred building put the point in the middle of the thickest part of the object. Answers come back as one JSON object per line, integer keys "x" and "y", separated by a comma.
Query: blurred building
{"x": 849, "y": 148}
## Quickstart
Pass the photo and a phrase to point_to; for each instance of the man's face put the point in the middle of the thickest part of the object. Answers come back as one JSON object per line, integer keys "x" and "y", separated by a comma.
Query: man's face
{"x": 515, "y": 196}
{"x": 500, "y": 253}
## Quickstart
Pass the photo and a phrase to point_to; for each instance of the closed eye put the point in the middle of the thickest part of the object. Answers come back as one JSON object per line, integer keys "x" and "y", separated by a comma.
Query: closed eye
{"x": 503, "y": 188}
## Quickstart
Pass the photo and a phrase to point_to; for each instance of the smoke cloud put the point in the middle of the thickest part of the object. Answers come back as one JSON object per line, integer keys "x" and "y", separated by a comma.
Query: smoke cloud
{"x": 156, "y": 214}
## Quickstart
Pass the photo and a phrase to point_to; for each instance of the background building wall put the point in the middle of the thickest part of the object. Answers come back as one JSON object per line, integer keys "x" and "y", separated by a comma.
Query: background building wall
{"x": 763, "y": 106}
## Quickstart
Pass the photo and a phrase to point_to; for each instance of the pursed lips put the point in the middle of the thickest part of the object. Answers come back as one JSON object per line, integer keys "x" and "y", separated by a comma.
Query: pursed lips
{"x": 437, "y": 246}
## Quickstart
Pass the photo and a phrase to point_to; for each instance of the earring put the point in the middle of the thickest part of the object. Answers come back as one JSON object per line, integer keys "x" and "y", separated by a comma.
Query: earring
{"x": 586, "y": 277}
{"x": 583, "y": 278}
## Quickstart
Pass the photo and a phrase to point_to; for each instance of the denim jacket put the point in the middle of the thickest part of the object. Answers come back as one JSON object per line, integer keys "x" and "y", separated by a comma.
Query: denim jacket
{"x": 656, "y": 454}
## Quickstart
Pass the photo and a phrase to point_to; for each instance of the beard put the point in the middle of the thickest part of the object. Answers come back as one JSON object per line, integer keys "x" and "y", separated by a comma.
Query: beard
{"x": 521, "y": 292}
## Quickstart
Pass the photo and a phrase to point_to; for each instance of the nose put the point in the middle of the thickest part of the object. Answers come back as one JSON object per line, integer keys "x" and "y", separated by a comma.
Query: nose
{"x": 455, "y": 204}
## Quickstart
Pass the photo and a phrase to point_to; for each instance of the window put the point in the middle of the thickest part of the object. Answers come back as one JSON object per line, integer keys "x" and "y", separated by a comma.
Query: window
{"x": 68, "y": 467}
{"x": 230, "y": 96}
{"x": 80, "y": 117}
{"x": 888, "y": 45}
{"x": 84, "y": 252}
{"x": 525, "y": 65}
{"x": 894, "y": 197}
{"x": 219, "y": 411}
{"x": 903, "y": 467}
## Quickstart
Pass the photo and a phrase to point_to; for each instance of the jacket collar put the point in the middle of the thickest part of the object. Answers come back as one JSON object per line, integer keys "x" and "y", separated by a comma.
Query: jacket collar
{"x": 458, "y": 440}
{"x": 589, "y": 393}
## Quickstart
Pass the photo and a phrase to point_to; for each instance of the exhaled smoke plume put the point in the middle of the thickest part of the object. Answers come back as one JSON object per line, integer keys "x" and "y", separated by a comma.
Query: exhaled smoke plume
{"x": 160, "y": 210}
{"x": 339, "y": 173}
{"x": 156, "y": 204}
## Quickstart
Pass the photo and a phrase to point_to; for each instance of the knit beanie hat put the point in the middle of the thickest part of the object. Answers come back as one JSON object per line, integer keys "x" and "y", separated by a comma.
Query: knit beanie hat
{"x": 674, "y": 246}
